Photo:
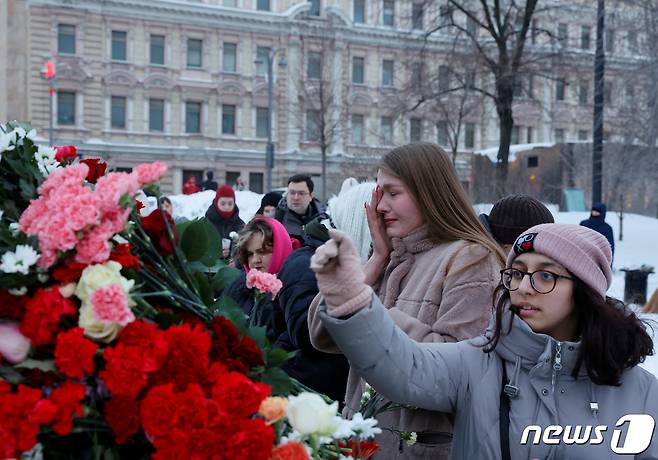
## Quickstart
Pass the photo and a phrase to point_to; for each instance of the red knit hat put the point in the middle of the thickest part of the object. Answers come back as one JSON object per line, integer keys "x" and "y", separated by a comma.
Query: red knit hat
{"x": 225, "y": 191}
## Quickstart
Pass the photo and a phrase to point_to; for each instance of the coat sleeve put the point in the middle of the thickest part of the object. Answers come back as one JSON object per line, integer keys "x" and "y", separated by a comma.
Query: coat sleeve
{"x": 294, "y": 300}
{"x": 651, "y": 408}
{"x": 429, "y": 376}
{"x": 318, "y": 333}
{"x": 466, "y": 300}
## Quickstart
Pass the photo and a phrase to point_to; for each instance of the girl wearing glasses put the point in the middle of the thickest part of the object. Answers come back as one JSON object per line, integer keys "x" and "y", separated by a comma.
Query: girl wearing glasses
{"x": 435, "y": 269}
{"x": 554, "y": 376}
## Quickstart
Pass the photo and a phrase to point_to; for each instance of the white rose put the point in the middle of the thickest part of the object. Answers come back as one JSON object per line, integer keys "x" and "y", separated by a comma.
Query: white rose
{"x": 309, "y": 414}
{"x": 93, "y": 277}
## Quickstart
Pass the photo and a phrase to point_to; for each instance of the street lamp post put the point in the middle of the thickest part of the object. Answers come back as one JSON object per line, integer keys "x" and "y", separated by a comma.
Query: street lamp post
{"x": 599, "y": 104}
{"x": 269, "y": 149}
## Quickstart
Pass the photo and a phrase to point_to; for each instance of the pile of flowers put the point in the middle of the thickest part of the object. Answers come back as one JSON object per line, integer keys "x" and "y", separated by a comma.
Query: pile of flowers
{"x": 112, "y": 340}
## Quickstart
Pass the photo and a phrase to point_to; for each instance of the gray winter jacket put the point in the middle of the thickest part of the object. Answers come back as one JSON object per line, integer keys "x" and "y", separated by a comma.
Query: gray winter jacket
{"x": 462, "y": 379}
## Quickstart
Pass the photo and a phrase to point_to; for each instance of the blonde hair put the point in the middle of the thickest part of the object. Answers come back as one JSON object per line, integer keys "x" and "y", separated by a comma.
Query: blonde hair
{"x": 431, "y": 178}
{"x": 652, "y": 304}
{"x": 249, "y": 230}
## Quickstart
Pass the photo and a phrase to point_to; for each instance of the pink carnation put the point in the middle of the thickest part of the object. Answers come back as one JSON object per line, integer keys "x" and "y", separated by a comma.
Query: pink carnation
{"x": 110, "y": 304}
{"x": 149, "y": 173}
{"x": 264, "y": 282}
{"x": 112, "y": 187}
{"x": 74, "y": 174}
{"x": 94, "y": 247}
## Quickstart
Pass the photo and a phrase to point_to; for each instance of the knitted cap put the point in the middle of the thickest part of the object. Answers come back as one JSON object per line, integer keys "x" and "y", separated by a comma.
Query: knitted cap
{"x": 225, "y": 191}
{"x": 269, "y": 199}
{"x": 514, "y": 214}
{"x": 584, "y": 252}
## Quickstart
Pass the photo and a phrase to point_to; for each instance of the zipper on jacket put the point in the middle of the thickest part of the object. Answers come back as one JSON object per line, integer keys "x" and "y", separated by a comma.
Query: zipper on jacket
{"x": 557, "y": 364}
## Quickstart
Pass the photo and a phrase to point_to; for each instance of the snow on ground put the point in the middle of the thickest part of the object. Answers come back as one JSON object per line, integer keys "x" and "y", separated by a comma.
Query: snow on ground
{"x": 637, "y": 248}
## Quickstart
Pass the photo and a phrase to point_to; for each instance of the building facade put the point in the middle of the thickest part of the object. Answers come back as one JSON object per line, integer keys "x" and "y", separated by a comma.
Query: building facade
{"x": 185, "y": 82}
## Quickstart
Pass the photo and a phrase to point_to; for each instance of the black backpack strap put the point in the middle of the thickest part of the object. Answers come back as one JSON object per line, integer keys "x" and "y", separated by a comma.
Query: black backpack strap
{"x": 504, "y": 418}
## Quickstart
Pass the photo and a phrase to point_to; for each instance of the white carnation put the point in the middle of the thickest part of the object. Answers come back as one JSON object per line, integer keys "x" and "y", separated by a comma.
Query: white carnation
{"x": 20, "y": 260}
{"x": 308, "y": 413}
{"x": 46, "y": 161}
{"x": 364, "y": 428}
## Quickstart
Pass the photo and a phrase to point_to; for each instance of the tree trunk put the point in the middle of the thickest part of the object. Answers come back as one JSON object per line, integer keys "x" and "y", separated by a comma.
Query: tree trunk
{"x": 505, "y": 133}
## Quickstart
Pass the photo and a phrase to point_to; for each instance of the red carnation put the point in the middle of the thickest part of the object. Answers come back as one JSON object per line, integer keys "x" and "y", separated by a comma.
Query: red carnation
{"x": 97, "y": 168}
{"x": 11, "y": 306}
{"x": 69, "y": 272}
{"x": 74, "y": 354}
{"x": 122, "y": 415}
{"x": 360, "y": 449}
{"x": 249, "y": 353}
{"x": 187, "y": 361}
{"x": 148, "y": 338}
{"x": 124, "y": 372}
{"x": 158, "y": 411}
{"x": 66, "y": 153}
{"x": 238, "y": 395}
{"x": 154, "y": 226}
{"x": 225, "y": 338}
{"x": 42, "y": 314}
{"x": 290, "y": 451}
{"x": 121, "y": 254}
{"x": 20, "y": 416}
{"x": 67, "y": 400}
{"x": 255, "y": 437}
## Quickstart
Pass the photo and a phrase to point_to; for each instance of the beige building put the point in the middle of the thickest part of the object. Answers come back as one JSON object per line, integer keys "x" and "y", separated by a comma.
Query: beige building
{"x": 185, "y": 82}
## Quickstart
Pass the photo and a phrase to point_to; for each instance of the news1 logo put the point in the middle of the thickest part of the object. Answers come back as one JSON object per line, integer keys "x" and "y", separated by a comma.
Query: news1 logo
{"x": 639, "y": 431}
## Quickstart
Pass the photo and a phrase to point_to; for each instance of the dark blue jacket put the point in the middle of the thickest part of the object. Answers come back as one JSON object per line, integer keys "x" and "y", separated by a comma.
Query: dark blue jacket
{"x": 323, "y": 372}
{"x": 598, "y": 223}
{"x": 259, "y": 313}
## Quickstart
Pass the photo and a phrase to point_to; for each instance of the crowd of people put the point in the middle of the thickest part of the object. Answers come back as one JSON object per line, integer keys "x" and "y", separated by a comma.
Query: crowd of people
{"x": 473, "y": 327}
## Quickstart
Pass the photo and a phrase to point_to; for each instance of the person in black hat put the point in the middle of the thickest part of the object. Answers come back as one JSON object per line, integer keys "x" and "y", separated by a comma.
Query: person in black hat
{"x": 512, "y": 215}
{"x": 268, "y": 204}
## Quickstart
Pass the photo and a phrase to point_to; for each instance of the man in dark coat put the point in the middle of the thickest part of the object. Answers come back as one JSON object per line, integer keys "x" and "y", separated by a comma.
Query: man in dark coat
{"x": 597, "y": 222}
{"x": 209, "y": 183}
{"x": 322, "y": 372}
{"x": 299, "y": 206}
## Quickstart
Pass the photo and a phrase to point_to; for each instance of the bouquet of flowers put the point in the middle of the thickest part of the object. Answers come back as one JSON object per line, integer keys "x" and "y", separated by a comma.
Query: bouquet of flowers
{"x": 112, "y": 342}
{"x": 263, "y": 283}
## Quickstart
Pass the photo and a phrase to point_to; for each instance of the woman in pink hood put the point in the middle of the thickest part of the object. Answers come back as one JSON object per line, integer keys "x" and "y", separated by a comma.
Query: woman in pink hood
{"x": 263, "y": 245}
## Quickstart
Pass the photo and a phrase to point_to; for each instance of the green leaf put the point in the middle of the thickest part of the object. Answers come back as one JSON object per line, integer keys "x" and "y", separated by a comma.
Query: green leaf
{"x": 258, "y": 334}
{"x": 205, "y": 290}
{"x": 194, "y": 240}
{"x": 277, "y": 356}
{"x": 166, "y": 320}
{"x": 279, "y": 380}
{"x": 46, "y": 366}
{"x": 224, "y": 277}
{"x": 213, "y": 253}
{"x": 226, "y": 307}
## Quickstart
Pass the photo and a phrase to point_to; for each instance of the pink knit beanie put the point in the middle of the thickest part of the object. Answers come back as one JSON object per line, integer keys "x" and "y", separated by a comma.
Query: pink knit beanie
{"x": 584, "y": 252}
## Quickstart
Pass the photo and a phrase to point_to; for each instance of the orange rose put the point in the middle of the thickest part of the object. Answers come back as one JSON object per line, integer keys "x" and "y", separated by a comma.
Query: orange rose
{"x": 273, "y": 409}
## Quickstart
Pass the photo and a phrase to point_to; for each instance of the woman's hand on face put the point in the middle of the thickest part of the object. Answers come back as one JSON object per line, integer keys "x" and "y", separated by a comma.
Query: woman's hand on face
{"x": 381, "y": 243}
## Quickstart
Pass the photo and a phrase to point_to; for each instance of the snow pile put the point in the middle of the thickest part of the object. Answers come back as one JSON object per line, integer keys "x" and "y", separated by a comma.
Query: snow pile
{"x": 194, "y": 206}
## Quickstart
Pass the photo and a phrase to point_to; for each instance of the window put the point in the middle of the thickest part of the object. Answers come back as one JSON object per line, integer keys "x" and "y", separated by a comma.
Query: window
{"x": 445, "y": 16}
{"x": 357, "y": 70}
{"x": 585, "y": 40}
{"x": 583, "y": 95}
{"x": 256, "y": 182}
{"x": 442, "y": 133}
{"x": 417, "y": 16}
{"x": 387, "y": 73}
{"x": 118, "y": 112}
{"x": 415, "y": 130}
{"x": 583, "y": 135}
{"x": 516, "y": 131}
{"x": 517, "y": 87}
{"x": 193, "y": 117}
{"x": 607, "y": 93}
{"x": 533, "y": 162}
{"x": 559, "y": 136}
{"x": 65, "y": 39}
{"x": 562, "y": 35}
{"x": 231, "y": 177}
{"x": 471, "y": 27}
{"x": 630, "y": 95}
{"x": 315, "y": 8}
{"x": 530, "y": 90}
{"x": 357, "y": 129}
{"x": 118, "y": 45}
{"x": 312, "y": 133}
{"x": 632, "y": 41}
{"x": 469, "y": 135}
{"x": 609, "y": 40}
{"x": 230, "y": 63}
{"x": 416, "y": 75}
{"x": 157, "y": 49}
{"x": 194, "y": 47}
{"x": 529, "y": 135}
{"x": 262, "y": 121}
{"x": 386, "y": 132}
{"x": 314, "y": 65}
{"x": 470, "y": 78}
{"x": 262, "y": 60}
{"x": 228, "y": 119}
{"x": 359, "y": 11}
{"x": 231, "y": 3}
{"x": 444, "y": 78}
{"x": 263, "y": 5}
{"x": 388, "y": 13}
{"x": 534, "y": 31}
{"x": 560, "y": 89}
{"x": 156, "y": 115}
{"x": 65, "y": 108}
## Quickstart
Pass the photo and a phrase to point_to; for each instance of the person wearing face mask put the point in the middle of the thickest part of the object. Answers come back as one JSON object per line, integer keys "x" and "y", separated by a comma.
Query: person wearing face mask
{"x": 268, "y": 204}
{"x": 558, "y": 361}
{"x": 224, "y": 214}
{"x": 597, "y": 222}
{"x": 299, "y": 206}
{"x": 435, "y": 269}
{"x": 263, "y": 245}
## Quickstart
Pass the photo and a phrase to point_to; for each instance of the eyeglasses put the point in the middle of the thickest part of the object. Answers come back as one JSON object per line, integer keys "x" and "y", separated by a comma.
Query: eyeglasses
{"x": 296, "y": 193}
{"x": 541, "y": 281}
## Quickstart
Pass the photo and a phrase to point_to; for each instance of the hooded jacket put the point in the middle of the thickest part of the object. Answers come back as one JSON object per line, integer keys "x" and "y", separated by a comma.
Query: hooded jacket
{"x": 461, "y": 378}
{"x": 599, "y": 224}
{"x": 225, "y": 227}
{"x": 293, "y": 222}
